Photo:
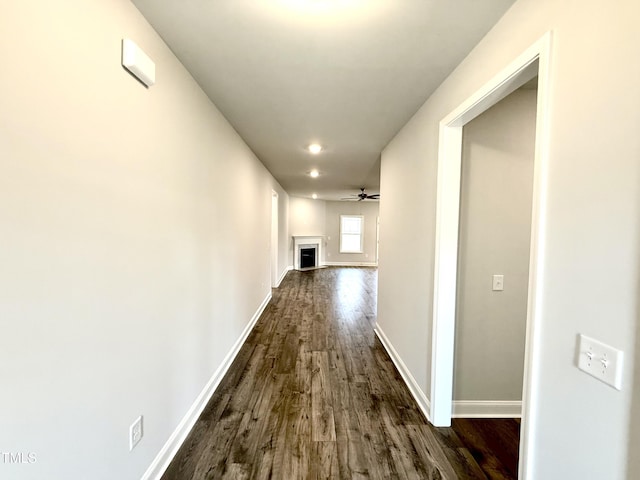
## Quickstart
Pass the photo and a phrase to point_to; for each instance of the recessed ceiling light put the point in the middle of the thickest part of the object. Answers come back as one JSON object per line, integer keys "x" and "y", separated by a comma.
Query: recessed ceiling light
{"x": 314, "y": 196}
{"x": 314, "y": 148}
{"x": 314, "y": 173}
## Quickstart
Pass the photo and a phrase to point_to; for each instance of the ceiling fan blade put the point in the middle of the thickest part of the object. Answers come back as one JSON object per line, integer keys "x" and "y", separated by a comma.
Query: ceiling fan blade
{"x": 362, "y": 196}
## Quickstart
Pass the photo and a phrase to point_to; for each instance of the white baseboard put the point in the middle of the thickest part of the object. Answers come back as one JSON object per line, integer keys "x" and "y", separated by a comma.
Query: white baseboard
{"x": 486, "y": 409}
{"x": 175, "y": 441}
{"x": 419, "y": 396}
{"x": 284, "y": 274}
{"x": 350, "y": 264}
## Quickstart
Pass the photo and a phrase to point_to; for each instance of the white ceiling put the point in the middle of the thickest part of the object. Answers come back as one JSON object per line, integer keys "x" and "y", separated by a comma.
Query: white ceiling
{"x": 347, "y": 74}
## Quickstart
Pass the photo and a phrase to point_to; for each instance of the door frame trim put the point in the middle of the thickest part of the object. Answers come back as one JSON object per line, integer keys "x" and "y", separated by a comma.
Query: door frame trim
{"x": 533, "y": 61}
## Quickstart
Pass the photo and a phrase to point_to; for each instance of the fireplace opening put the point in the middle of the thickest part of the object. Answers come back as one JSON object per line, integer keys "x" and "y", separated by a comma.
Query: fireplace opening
{"x": 308, "y": 257}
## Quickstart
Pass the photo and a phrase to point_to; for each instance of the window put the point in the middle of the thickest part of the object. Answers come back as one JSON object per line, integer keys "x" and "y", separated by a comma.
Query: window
{"x": 351, "y": 229}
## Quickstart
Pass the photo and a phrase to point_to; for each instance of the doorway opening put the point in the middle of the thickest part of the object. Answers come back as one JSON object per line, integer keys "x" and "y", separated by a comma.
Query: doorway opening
{"x": 377, "y": 240}
{"x": 492, "y": 286}
{"x": 531, "y": 63}
{"x": 274, "y": 239}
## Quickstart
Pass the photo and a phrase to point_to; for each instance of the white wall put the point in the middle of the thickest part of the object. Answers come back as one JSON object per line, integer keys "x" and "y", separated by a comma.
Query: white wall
{"x": 306, "y": 216}
{"x": 591, "y": 230}
{"x": 369, "y": 210}
{"x": 322, "y": 218}
{"x": 134, "y": 233}
{"x": 495, "y": 233}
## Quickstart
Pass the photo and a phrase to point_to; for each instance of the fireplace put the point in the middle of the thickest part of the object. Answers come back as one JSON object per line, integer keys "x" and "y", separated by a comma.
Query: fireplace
{"x": 307, "y": 256}
{"x": 307, "y": 251}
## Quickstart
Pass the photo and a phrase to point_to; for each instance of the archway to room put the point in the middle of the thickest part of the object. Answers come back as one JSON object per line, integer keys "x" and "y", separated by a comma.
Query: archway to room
{"x": 492, "y": 280}
{"x": 533, "y": 62}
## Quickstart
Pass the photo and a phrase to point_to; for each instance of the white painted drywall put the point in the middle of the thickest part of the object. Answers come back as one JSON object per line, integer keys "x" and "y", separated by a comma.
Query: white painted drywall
{"x": 369, "y": 210}
{"x": 495, "y": 233}
{"x": 306, "y": 216}
{"x": 591, "y": 254}
{"x": 134, "y": 233}
{"x": 309, "y": 217}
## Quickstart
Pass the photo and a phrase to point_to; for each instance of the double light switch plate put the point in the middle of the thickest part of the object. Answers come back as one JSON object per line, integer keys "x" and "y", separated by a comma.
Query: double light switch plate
{"x": 600, "y": 361}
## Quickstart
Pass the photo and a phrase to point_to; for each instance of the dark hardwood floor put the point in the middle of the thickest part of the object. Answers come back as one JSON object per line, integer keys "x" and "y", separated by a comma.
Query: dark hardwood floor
{"x": 313, "y": 395}
{"x": 493, "y": 443}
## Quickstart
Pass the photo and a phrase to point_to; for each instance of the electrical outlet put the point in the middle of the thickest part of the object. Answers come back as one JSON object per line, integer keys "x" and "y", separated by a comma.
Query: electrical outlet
{"x": 498, "y": 283}
{"x": 600, "y": 361}
{"x": 135, "y": 433}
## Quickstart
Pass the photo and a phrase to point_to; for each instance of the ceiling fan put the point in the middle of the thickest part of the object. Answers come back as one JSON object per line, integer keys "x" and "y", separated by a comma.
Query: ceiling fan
{"x": 363, "y": 196}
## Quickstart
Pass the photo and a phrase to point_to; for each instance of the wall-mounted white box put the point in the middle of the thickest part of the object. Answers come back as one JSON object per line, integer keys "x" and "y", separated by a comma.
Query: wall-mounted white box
{"x": 138, "y": 63}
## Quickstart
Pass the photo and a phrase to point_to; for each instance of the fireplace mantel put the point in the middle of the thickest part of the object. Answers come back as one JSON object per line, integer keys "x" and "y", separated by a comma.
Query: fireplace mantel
{"x": 303, "y": 241}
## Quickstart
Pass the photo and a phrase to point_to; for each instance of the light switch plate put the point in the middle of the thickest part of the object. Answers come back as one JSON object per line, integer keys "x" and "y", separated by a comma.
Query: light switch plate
{"x": 498, "y": 283}
{"x": 600, "y": 361}
{"x": 135, "y": 433}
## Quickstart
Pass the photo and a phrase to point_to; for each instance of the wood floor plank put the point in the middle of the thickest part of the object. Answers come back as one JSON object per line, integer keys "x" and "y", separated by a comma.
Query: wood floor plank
{"x": 246, "y": 441}
{"x": 432, "y": 453}
{"x": 493, "y": 443}
{"x": 265, "y": 456}
{"x": 312, "y": 394}
{"x": 288, "y": 352}
{"x": 323, "y": 461}
{"x": 183, "y": 466}
{"x": 236, "y": 471}
{"x": 398, "y": 445}
{"x": 322, "y": 421}
{"x": 368, "y": 414}
{"x": 295, "y": 462}
{"x": 464, "y": 464}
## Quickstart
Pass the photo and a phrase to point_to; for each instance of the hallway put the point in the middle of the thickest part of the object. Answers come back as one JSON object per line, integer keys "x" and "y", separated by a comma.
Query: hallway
{"x": 312, "y": 394}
